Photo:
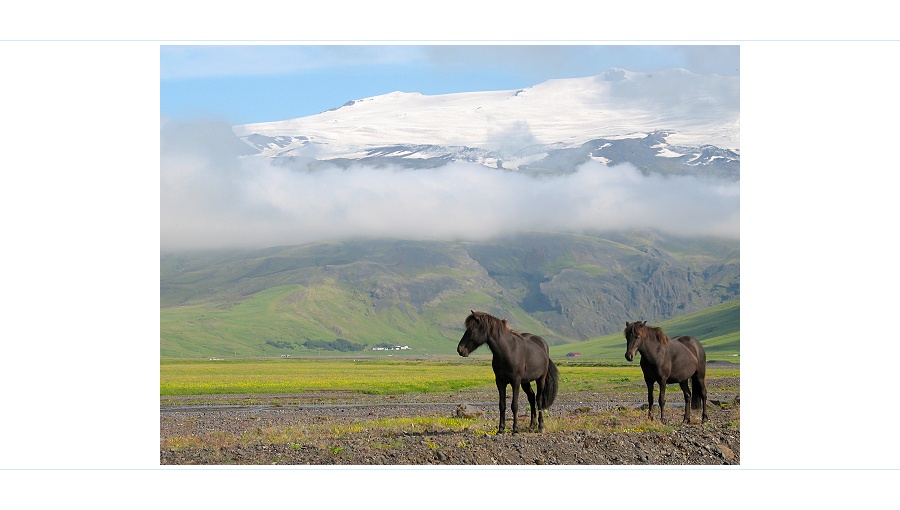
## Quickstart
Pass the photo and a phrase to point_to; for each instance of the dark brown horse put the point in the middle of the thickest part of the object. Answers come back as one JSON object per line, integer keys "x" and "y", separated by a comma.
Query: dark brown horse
{"x": 519, "y": 358}
{"x": 668, "y": 361}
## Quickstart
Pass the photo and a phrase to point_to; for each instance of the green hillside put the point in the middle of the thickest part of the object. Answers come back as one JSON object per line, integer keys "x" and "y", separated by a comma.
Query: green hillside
{"x": 344, "y": 298}
{"x": 325, "y": 299}
{"x": 718, "y": 328}
{"x": 286, "y": 320}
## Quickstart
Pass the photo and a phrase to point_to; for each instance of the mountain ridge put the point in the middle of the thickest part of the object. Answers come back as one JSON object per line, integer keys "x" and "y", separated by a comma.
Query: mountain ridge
{"x": 680, "y": 112}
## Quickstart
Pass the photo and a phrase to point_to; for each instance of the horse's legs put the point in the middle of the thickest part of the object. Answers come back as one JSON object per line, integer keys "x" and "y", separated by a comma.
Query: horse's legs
{"x": 701, "y": 384}
{"x": 687, "y": 400}
{"x": 526, "y": 386}
{"x": 501, "y": 388}
{"x": 662, "y": 401}
{"x": 650, "y": 399}
{"x": 515, "y": 404}
{"x": 705, "y": 417}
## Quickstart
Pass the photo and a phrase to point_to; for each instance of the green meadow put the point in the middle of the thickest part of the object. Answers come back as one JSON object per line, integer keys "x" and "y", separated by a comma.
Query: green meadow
{"x": 378, "y": 377}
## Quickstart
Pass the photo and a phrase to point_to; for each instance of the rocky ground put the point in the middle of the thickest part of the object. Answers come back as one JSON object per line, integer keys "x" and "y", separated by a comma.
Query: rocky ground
{"x": 337, "y": 428}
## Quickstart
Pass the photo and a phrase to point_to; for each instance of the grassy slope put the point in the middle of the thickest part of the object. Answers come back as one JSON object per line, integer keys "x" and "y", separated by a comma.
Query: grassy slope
{"x": 229, "y": 306}
{"x": 237, "y": 332}
{"x": 234, "y": 309}
{"x": 279, "y": 314}
{"x": 718, "y": 329}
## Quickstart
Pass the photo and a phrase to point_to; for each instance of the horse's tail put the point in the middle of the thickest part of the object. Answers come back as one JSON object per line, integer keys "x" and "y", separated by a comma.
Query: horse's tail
{"x": 698, "y": 382}
{"x": 551, "y": 386}
{"x": 696, "y": 395}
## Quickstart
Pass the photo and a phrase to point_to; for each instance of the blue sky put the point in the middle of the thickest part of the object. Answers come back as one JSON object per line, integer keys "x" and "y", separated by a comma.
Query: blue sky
{"x": 243, "y": 84}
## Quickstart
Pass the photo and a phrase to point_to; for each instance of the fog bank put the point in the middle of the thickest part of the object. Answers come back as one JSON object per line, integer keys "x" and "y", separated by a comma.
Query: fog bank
{"x": 211, "y": 197}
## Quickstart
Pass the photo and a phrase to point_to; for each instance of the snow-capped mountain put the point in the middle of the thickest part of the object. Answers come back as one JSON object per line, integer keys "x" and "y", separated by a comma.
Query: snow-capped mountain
{"x": 673, "y": 122}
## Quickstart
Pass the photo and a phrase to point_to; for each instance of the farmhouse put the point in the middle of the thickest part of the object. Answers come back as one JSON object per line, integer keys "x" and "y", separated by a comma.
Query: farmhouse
{"x": 392, "y": 348}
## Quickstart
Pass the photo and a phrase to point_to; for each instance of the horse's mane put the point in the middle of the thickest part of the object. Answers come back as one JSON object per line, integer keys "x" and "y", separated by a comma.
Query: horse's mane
{"x": 651, "y": 331}
{"x": 489, "y": 325}
{"x": 658, "y": 334}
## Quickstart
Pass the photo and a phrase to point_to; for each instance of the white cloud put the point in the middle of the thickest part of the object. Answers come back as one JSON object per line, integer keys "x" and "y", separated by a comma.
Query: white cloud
{"x": 210, "y": 198}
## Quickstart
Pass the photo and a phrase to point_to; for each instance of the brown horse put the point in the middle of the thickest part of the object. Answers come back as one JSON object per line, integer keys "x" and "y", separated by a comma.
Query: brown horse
{"x": 668, "y": 361}
{"x": 518, "y": 359}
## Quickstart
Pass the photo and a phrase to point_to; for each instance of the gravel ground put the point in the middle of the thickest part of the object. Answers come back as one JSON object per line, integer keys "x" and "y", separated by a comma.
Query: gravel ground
{"x": 327, "y": 429}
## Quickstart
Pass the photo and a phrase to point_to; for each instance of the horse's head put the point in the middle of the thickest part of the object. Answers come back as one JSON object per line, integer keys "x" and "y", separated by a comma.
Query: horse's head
{"x": 633, "y": 332}
{"x": 477, "y": 327}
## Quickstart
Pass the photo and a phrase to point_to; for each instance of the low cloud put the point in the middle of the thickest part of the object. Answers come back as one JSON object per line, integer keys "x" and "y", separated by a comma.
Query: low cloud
{"x": 211, "y": 197}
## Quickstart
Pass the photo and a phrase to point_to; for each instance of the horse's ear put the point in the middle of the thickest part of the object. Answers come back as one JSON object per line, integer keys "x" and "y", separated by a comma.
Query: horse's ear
{"x": 643, "y": 323}
{"x": 627, "y": 324}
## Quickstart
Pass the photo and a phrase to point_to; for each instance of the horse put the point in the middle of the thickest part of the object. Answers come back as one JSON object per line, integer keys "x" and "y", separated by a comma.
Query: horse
{"x": 518, "y": 359}
{"x": 668, "y": 361}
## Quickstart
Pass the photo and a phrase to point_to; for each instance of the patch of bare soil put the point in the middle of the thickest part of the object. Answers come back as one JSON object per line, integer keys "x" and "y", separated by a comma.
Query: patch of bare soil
{"x": 329, "y": 428}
